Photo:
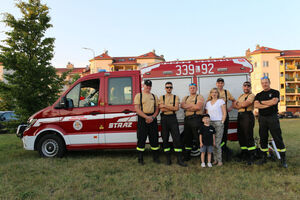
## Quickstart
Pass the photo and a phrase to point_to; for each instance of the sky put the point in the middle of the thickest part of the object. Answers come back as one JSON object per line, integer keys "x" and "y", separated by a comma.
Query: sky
{"x": 190, "y": 29}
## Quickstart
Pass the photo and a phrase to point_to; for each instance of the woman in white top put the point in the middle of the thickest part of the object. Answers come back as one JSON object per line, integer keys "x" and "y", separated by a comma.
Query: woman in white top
{"x": 216, "y": 109}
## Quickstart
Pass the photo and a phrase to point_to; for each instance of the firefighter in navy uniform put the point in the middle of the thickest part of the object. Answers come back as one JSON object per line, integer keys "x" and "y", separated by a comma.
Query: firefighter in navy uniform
{"x": 226, "y": 96}
{"x": 193, "y": 107}
{"x": 168, "y": 105}
{"x": 267, "y": 103}
{"x": 246, "y": 121}
{"x": 146, "y": 107}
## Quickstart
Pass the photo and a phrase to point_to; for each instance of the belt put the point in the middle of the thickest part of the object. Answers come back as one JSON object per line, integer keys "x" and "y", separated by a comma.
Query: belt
{"x": 248, "y": 112}
{"x": 192, "y": 116}
{"x": 164, "y": 115}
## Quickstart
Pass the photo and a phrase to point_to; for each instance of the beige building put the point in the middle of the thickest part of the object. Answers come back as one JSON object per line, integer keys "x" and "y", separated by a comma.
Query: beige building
{"x": 108, "y": 63}
{"x": 283, "y": 72}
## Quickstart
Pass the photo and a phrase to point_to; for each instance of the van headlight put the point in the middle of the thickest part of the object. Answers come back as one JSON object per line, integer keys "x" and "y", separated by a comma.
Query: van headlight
{"x": 31, "y": 122}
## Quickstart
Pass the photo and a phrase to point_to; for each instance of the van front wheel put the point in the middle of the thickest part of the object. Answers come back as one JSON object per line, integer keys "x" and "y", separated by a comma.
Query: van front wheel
{"x": 51, "y": 146}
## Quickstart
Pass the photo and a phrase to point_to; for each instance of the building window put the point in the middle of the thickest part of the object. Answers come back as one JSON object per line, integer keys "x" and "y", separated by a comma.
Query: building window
{"x": 131, "y": 59}
{"x": 281, "y": 62}
{"x": 281, "y": 74}
{"x": 282, "y": 86}
{"x": 121, "y": 60}
{"x": 265, "y": 63}
{"x": 281, "y": 98}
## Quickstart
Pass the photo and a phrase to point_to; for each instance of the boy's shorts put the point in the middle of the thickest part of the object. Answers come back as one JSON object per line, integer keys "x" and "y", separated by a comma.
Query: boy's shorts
{"x": 208, "y": 149}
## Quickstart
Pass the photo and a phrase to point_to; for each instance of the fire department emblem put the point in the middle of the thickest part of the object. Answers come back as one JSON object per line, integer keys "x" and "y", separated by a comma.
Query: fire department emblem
{"x": 77, "y": 125}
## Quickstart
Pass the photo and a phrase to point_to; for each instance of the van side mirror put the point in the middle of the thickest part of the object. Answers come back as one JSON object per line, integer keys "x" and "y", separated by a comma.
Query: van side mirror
{"x": 62, "y": 103}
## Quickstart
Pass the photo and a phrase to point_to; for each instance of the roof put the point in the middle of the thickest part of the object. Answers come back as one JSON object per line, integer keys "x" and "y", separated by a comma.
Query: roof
{"x": 265, "y": 50}
{"x": 289, "y": 53}
{"x": 103, "y": 56}
{"x": 73, "y": 71}
{"x": 150, "y": 55}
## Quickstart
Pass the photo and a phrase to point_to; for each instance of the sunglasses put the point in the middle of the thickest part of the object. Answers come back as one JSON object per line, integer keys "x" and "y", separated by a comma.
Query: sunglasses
{"x": 247, "y": 85}
{"x": 169, "y": 87}
{"x": 192, "y": 84}
{"x": 265, "y": 77}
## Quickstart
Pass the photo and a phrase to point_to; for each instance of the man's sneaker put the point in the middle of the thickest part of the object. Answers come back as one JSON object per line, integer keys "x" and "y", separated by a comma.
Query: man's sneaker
{"x": 203, "y": 164}
{"x": 209, "y": 165}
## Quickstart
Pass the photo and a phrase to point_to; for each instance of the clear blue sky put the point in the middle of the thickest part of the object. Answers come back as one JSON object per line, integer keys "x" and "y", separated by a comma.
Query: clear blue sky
{"x": 188, "y": 29}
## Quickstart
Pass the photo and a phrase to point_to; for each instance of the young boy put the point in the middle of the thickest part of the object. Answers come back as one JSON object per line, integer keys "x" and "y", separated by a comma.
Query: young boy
{"x": 207, "y": 140}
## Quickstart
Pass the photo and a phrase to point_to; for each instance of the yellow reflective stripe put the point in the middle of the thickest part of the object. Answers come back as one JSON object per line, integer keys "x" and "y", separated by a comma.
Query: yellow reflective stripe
{"x": 188, "y": 148}
{"x": 222, "y": 144}
{"x": 166, "y": 149}
{"x": 264, "y": 150}
{"x": 251, "y": 148}
{"x": 177, "y": 150}
{"x": 281, "y": 150}
{"x": 243, "y": 148}
{"x": 140, "y": 149}
{"x": 154, "y": 148}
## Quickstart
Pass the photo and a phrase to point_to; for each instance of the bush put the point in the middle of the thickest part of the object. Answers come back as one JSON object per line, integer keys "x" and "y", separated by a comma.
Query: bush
{"x": 10, "y": 126}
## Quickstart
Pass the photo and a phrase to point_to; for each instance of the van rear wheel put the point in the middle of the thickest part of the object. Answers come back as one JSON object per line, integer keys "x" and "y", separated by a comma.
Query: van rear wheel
{"x": 51, "y": 146}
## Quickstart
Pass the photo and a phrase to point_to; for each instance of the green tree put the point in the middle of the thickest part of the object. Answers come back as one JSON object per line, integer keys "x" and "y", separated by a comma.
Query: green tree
{"x": 31, "y": 82}
{"x": 75, "y": 77}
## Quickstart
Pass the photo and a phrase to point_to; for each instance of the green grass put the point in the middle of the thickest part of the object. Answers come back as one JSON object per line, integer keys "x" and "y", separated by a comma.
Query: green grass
{"x": 115, "y": 174}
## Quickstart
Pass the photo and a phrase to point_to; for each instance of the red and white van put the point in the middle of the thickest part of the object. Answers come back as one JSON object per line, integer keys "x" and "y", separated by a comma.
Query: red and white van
{"x": 97, "y": 111}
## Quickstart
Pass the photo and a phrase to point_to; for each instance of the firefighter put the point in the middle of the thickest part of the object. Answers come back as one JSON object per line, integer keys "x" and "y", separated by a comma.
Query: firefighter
{"x": 146, "y": 106}
{"x": 193, "y": 107}
{"x": 245, "y": 106}
{"x": 226, "y": 96}
{"x": 267, "y": 103}
{"x": 168, "y": 105}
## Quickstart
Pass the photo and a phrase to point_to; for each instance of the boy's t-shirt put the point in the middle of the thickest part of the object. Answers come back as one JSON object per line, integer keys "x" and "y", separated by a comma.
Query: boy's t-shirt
{"x": 207, "y": 135}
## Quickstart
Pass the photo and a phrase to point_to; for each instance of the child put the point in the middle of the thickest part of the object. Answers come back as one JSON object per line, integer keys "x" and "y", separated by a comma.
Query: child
{"x": 207, "y": 140}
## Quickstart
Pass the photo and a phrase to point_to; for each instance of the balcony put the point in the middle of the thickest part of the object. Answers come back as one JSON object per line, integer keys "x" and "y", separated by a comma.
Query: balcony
{"x": 290, "y": 90}
{"x": 292, "y": 67}
{"x": 290, "y": 103}
{"x": 290, "y": 79}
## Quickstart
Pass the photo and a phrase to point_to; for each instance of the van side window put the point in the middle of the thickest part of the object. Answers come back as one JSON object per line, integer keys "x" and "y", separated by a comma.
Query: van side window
{"x": 84, "y": 94}
{"x": 120, "y": 91}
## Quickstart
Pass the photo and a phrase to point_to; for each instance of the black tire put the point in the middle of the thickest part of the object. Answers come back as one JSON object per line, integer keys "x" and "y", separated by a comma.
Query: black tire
{"x": 51, "y": 146}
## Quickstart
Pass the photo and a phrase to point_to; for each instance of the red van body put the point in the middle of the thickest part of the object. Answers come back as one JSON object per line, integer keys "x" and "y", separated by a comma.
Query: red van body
{"x": 97, "y": 111}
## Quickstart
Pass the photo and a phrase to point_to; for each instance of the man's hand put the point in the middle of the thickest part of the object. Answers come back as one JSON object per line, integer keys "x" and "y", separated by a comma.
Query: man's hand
{"x": 149, "y": 119}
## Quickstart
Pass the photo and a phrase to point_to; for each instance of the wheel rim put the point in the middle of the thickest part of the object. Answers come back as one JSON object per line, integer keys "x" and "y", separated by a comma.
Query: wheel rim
{"x": 50, "y": 148}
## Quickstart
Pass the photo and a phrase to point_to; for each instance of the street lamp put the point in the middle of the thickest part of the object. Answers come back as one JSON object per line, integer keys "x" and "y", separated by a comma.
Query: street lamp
{"x": 90, "y": 50}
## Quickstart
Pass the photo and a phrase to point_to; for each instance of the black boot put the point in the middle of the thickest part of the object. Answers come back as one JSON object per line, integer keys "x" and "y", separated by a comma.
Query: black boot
{"x": 251, "y": 155}
{"x": 187, "y": 155}
{"x": 180, "y": 160}
{"x": 263, "y": 160}
{"x": 156, "y": 156}
{"x": 168, "y": 155}
{"x": 243, "y": 155}
{"x": 141, "y": 157}
{"x": 283, "y": 160}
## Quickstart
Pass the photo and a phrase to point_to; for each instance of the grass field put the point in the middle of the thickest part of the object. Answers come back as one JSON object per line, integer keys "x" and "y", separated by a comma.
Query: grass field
{"x": 115, "y": 174}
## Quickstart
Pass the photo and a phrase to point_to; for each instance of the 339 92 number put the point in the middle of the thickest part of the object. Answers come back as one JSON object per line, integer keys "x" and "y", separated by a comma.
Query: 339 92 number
{"x": 191, "y": 69}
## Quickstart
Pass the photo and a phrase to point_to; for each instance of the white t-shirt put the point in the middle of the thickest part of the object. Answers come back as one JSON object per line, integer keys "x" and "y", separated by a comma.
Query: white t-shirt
{"x": 215, "y": 110}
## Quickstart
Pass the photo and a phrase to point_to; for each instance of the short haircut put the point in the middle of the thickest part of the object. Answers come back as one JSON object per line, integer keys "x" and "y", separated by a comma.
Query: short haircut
{"x": 168, "y": 83}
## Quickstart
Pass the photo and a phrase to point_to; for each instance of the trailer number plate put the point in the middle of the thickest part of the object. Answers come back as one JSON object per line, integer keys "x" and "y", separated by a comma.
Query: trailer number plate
{"x": 191, "y": 69}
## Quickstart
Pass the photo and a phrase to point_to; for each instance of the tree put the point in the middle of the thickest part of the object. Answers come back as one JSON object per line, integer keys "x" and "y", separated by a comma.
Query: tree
{"x": 31, "y": 82}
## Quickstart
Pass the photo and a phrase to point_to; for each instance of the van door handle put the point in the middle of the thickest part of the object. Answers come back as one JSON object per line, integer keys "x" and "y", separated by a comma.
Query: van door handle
{"x": 126, "y": 111}
{"x": 95, "y": 113}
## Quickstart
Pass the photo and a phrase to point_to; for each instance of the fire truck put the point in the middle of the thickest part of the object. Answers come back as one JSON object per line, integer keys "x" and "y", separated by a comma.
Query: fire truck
{"x": 97, "y": 111}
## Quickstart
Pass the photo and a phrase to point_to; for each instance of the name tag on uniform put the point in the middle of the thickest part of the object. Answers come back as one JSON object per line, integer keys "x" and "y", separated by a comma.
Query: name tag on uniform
{"x": 211, "y": 130}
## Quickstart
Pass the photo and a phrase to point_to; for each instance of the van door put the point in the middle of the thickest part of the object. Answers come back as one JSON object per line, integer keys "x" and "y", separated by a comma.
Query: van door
{"x": 120, "y": 116}
{"x": 83, "y": 119}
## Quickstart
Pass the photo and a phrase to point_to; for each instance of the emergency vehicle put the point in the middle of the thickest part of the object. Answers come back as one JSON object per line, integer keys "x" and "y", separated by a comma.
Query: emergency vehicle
{"x": 97, "y": 111}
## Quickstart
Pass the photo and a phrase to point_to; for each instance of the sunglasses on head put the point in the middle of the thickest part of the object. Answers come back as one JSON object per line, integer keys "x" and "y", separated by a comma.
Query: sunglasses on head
{"x": 169, "y": 87}
{"x": 265, "y": 77}
{"x": 192, "y": 84}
